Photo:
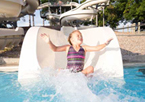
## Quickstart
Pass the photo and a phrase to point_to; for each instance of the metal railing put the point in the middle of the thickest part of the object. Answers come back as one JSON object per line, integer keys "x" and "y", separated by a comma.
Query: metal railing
{"x": 133, "y": 29}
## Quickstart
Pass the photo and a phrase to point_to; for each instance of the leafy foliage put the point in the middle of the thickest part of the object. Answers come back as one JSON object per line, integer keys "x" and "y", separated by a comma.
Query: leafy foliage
{"x": 114, "y": 13}
{"x": 135, "y": 10}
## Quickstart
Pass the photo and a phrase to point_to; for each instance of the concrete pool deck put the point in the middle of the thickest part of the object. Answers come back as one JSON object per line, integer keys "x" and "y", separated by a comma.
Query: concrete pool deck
{"x": 12, "y": 65}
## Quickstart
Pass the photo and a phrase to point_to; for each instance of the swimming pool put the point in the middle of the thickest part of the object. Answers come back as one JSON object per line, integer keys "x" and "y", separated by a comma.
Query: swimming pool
{"x": 74, "y": 87}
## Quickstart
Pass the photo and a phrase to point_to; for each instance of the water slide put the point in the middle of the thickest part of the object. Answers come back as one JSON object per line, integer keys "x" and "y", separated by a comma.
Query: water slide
{"x": 36, "y": 54}
{"x": 84, "y": 11}
{"x": 12, "y": 10}
{"x": 9, "y": 37}
{"x": 81, "y": 12}
{"x": 74, "y": 4}
{"x": 44, "y": 5}
{"x": 30, "y": 8}
{"x": 54, "y": 16}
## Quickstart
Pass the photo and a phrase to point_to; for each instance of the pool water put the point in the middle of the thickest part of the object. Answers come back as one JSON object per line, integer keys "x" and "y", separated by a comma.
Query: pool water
{"x": 74, "y": 87}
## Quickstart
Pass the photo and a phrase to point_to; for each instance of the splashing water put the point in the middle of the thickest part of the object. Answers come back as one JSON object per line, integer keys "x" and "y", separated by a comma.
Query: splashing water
{"x": 72, "y": 87}
{"x": 76, "y": 87}
{"x": 63, "y": 86}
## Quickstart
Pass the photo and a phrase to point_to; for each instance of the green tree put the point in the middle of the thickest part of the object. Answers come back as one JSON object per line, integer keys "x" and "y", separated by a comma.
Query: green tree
{"x": 135, "y": 10}
{"x": 113, "y": 13}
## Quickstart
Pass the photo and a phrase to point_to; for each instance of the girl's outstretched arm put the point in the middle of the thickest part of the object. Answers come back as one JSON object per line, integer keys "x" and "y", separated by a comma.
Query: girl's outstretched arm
{"x": 96, "y": 48}
{"x": 46, "y": 38}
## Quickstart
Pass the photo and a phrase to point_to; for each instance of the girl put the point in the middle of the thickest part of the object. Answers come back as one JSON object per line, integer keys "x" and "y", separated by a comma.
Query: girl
{"x": 75, "y": 52}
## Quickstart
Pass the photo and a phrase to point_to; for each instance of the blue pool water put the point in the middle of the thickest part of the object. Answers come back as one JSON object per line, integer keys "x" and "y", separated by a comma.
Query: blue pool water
{"x": 74, "y": 87}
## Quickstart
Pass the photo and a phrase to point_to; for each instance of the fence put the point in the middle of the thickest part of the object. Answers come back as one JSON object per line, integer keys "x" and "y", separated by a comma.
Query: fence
{"x": 133, "y": 29}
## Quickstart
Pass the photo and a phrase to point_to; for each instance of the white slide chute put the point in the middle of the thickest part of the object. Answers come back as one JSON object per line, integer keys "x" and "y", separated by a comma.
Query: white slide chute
{"x": 81, "y": 12}
{"x": 10, "y": 8}
{"x": 36, "y": 54}
{"x": 13, "y": 9}
{"x": 9, "y": 37}
{"x": 10, "y": 12}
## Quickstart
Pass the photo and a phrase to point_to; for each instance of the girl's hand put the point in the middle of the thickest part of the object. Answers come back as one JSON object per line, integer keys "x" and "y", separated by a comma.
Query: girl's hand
{"x": 45, "y": 37}
{"x": 108, "y": 41}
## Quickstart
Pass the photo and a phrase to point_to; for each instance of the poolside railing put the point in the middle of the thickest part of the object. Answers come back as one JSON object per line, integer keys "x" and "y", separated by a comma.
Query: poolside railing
{"x": 131, "y": 30}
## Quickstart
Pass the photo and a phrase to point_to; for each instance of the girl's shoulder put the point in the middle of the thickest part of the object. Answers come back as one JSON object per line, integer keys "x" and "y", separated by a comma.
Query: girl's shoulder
{"x": 84, "y": 47}
{"x": 68, "y": 46}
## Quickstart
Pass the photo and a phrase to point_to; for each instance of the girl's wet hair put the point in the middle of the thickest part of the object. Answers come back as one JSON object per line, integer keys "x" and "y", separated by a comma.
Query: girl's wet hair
{"x": 70, "y": 35}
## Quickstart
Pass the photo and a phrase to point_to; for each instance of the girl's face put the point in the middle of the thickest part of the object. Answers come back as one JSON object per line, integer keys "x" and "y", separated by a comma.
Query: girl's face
{"x": 77, "y": 38}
